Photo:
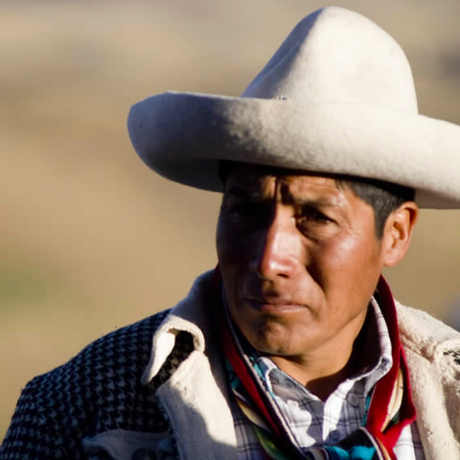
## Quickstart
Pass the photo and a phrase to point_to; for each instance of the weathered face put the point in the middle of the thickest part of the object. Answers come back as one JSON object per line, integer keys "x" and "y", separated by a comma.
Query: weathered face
{"x": 299, "y": 259}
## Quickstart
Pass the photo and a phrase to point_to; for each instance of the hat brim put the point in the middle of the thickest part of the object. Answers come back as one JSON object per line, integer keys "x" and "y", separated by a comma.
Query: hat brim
{"x": 183, "y": 136}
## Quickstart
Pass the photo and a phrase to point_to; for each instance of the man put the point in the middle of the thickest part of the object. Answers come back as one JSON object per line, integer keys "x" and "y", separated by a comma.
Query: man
{"x": 293, "y": 347}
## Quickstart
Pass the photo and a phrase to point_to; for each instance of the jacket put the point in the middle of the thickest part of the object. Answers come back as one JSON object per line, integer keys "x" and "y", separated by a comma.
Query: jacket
{"x": 157, "y": 389}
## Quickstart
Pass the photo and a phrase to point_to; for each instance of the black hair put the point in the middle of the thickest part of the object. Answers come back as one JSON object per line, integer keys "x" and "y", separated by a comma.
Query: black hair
{"x": 383, "y": 197}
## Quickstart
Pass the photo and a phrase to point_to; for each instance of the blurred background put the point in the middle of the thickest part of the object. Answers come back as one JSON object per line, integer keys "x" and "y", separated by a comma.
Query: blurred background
{"x": 90, "y": 239}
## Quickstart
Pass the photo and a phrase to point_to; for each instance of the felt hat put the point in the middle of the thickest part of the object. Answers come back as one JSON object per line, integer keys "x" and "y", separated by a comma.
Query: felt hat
{"x": 337, "y": 97}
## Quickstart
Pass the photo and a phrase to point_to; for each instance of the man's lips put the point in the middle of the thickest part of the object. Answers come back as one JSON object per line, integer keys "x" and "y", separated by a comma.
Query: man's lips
{"x": 274, "y": 305}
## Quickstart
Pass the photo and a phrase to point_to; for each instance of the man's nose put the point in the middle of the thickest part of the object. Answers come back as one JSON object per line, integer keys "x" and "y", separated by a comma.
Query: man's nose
{"x": 278, "y": 252}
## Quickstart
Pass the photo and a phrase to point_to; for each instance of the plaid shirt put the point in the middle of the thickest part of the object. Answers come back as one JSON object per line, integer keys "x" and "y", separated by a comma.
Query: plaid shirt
{"x": 314, "y": 422}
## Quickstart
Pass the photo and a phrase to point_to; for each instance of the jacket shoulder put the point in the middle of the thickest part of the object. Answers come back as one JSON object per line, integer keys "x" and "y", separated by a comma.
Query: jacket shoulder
{"x": 432, "y": 351}
{"x": 98, "y": 390}
{"x": 428, "y": 337}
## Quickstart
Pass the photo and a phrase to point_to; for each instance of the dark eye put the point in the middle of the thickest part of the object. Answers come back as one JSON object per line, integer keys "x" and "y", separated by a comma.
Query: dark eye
{"x": 245, "y": 215}
{"x": 313, "y": 216}
{"x": 243, "y": 210}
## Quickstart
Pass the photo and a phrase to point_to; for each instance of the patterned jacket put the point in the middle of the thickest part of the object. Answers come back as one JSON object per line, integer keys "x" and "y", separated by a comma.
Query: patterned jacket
{"x": 157, "y": 390}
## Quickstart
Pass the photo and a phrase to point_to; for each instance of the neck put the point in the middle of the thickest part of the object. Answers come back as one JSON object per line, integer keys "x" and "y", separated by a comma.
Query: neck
{"x": 319, "y": 380}
{"x": 322, "y": 371}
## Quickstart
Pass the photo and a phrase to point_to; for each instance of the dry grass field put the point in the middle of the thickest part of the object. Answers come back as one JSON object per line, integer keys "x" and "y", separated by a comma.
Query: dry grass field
{"x": 90, "y": 239}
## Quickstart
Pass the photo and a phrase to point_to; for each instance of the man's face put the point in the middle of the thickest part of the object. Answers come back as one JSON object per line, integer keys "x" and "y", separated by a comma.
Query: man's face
{"x": 299, "y": 259}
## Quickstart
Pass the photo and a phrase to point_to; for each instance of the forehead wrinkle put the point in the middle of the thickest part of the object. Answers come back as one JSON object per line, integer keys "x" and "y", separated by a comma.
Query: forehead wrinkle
{"x": 315, "y": 194}
{"x": 291, "y": 189}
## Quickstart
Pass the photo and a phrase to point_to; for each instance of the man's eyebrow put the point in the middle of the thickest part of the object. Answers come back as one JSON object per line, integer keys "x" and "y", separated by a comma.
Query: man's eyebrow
{"x": 255, "y": 194}
{"x": 310, "y": 202}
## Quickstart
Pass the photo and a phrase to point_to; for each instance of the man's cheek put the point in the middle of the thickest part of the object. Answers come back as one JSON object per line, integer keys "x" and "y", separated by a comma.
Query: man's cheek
{"x": 234, "y": 248}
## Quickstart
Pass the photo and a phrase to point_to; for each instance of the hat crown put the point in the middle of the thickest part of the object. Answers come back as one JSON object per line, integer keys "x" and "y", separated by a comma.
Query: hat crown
{"x": 337, "y": 55}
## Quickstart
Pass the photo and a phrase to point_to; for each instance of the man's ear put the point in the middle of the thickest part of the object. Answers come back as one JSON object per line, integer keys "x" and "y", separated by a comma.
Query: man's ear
{"x": 398, "y": 233}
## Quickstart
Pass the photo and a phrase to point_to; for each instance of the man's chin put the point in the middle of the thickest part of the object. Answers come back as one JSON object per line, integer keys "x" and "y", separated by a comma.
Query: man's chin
{"x": 272, "y": 341}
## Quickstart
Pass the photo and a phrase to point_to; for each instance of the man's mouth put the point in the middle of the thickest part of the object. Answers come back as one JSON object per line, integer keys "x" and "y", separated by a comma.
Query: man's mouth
{"x": 273, "y": 304}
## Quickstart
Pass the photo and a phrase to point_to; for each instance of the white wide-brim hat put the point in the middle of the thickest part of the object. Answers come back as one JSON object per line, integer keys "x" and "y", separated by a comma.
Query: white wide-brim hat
{"x": 337, "y": 97}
